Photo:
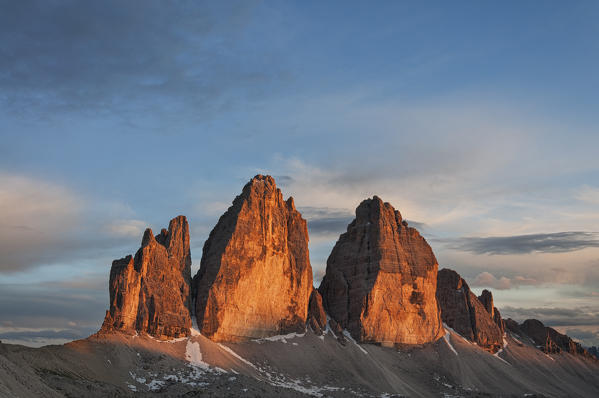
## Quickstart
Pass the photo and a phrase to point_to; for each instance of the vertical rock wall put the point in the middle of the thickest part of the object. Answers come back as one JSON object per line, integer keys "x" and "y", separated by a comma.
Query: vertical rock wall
{"x": 381, "y": 279}
{"x": 255, "y": 277}
{"x": 151, "y": 292}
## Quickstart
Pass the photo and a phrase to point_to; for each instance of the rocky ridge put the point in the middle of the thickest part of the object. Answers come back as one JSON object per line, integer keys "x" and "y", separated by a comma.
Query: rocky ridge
{"x": 462, "y": 311}
{"x": 255, "y": 280}
{"x": 255, "y": 284}
{"x": 546, "y": 338}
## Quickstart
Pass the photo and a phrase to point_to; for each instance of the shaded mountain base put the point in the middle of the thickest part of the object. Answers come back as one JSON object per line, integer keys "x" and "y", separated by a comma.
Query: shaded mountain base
{"x": 289, "y": 366}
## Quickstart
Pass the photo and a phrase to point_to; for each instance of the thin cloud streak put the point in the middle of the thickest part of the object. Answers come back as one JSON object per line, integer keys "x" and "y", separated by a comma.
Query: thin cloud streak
{"x": 46, "y": 223}
{"x": 559, "y": 242}
{"x": 554, "y": 315}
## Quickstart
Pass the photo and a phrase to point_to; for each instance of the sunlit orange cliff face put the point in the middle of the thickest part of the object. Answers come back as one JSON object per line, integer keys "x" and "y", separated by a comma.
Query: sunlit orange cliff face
{"x": 151, "y": 292}
{"x": 255, "y": 277}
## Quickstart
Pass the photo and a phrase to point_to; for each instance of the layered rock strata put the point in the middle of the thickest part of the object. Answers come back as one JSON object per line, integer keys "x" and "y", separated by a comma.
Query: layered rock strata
{"x": 381, "y": 279}
{"x": 462, "y": 311}
{"x": 255, "y": 277}
{"x": 150, "y": 293}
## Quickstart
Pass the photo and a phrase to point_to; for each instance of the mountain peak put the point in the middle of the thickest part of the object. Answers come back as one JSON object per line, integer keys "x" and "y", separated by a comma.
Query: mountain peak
{"x": 150, "y": 292}
{"x": 381, "y": 279}
{"x": 255, "y": 277}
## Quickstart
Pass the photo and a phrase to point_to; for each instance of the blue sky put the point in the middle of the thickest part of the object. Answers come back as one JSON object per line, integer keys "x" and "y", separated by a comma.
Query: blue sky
{"x": 477, "y": 120}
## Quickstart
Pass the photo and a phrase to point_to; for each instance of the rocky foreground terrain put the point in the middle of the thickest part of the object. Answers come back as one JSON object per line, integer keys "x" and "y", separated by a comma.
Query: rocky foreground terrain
{"x": 384, "y": 321}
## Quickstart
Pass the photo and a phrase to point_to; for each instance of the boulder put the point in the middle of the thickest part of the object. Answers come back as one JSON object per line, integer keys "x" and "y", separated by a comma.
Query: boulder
{"x": 151, "y": 292}
{"x": 381, "y": 279}
{"x": 462, "y": 311}
{"x": 255, "y": 277}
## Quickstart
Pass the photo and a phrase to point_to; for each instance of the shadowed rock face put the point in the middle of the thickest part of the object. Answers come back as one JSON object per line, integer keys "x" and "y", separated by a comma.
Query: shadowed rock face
{"x": 317, "y": 317}
{"x": 550, "y": 340}
{"x": 486, "y": 299}
{"x": 462, "y": 311}
{"x": 255, "y": 277}
{"x": 150, "y": 293}
{"x": 381, "y": 279}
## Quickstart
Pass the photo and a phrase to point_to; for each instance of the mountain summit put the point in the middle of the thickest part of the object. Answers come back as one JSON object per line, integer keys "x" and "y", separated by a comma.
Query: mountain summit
{"x": 255, "y": 277}
{"x": 381, "y": 279}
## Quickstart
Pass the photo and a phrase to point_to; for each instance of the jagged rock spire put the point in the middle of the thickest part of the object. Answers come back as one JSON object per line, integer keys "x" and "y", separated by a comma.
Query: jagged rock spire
{"x": 465, "y": 313}
{"x": 255, "y": 277}
{"x": 151, "y": 292}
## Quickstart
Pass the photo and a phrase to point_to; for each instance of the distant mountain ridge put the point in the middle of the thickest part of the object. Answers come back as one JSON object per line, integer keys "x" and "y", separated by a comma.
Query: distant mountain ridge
{"x": 255, "y": 280}
{"x": 384, "y": 321}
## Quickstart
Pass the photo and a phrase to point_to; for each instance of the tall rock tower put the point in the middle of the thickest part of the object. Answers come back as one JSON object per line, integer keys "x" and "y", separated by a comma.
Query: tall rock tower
{"x": 255, "y": 277}
{"x": 381, "y": 279}
{"x": 151, "y": 292}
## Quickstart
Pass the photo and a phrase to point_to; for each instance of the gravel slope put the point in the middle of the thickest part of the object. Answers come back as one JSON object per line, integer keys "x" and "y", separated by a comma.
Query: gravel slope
{"x": 117, "y": 365}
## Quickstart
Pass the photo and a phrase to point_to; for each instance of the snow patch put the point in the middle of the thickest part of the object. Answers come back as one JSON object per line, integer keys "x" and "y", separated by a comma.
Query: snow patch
{"x": 446, "y": 337}
{"x": 496, "y": 355}
{"x": 195, "y": 330}
{"x": 194, "y": 356}
{"x": 155, "y": 385}
{"x": 141, "y": 380}
{"x": 281, "y": 337}
{"x": 348, "y": 336}
{"x": 456, "y": 333}
{"x": 230, "y": 351}
{"x": 517, "y": 341}
{"x": 296, "y": 385}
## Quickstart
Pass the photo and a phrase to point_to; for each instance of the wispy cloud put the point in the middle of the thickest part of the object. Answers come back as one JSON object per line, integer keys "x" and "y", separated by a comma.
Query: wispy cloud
{"x": 41, "y": 337}
{"x": 588, "y": 335}
{"x": 588, "y": 194}
{"x": 558, "y": 242}
{"x": 325, "y": 220}
{"x": 130, "y": 61}
{"x": 126, "y": 228}
{"x": 36, "y": 216}
{"x": 486, "y": 279}
{"x": 585, "y": 315}
{"x": 44, "y": 223}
